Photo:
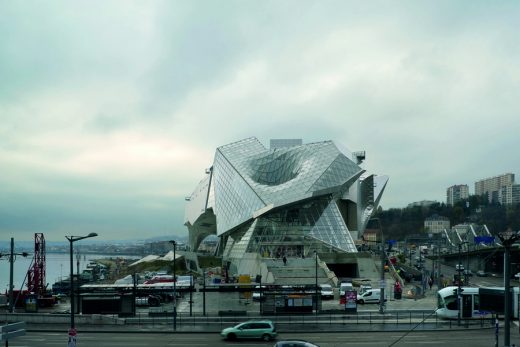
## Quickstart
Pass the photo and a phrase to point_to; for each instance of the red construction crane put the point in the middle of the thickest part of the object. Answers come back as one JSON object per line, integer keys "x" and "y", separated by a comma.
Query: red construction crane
{"x": 36, "y": 274}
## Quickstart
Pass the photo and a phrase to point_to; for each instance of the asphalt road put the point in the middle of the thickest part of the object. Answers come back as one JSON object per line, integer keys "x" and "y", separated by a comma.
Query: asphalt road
{"x": 473, "y": 338}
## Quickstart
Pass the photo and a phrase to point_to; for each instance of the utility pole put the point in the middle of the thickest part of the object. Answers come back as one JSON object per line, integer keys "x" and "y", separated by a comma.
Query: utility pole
{"x": 174, "y": 243}
{"x": 11, "y": 257}
{"x": 316, "y": 280}
{"x": 204, "y": 292}
{"x": 459, "y": 269}
{"x": 383, "y": 260}
{"x": 11, "y": 261}
{"x": 459, "y": 301}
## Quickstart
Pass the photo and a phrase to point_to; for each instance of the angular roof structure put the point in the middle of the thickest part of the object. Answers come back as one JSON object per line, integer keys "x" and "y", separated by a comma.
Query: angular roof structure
{"x": 282, "y": 200}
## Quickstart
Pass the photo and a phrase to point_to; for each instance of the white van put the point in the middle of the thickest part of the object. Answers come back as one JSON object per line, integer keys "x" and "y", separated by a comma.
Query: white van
{"x": 370, "y": 296}
{"x": 343, "y": 287}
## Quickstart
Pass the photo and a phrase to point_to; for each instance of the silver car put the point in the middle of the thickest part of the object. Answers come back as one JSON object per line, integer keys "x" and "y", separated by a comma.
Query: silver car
{"x": 261, "y": 329}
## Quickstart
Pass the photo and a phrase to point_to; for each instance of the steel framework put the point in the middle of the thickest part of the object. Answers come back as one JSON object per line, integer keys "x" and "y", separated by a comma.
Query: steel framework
{"x": 36, "y": 273}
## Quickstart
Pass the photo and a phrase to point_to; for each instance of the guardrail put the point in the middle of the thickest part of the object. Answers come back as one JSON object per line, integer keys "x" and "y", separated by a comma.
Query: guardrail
{"x": 417, "y": 319}
{"x": 10, "y": 331}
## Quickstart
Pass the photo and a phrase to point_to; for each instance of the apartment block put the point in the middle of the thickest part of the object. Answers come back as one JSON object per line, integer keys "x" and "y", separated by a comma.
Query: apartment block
{"x": 457, "y": 193}
{"x": 498, "y": 189}
{"x": 436, "y": 224}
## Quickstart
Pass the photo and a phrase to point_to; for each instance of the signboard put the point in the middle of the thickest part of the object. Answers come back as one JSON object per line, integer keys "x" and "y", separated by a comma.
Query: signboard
{"x": 31, "y": 303}
{"x": 484, "y": 239}
{"x": 351, "y": 301}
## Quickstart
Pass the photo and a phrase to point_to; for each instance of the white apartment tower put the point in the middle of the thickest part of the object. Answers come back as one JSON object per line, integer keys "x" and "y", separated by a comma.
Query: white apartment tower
{"x": 457, "y": 193}
{"x": 499, "y": 189}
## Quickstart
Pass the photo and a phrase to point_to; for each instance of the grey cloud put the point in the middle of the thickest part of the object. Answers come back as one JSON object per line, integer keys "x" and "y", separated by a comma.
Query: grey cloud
{"x": 427, "y": 89}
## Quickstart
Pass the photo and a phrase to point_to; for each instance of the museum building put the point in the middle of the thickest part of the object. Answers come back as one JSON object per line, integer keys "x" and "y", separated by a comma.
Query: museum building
{"x": 289, "y": 201}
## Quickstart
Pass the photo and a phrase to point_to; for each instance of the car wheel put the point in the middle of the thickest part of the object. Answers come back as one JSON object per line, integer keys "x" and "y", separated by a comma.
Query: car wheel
{"x": 154, "y": 302}
{"x": 362, "y": 302}
{"x": 266, "y": 337}
{"x": 231, "y": 337}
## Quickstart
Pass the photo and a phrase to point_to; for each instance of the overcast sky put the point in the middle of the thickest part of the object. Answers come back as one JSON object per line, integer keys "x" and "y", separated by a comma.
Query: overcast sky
{"x": 110, "y": 111}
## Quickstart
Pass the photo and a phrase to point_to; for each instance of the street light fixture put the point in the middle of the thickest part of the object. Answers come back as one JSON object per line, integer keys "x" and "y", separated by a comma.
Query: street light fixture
{"x": 73, "y": 239}
{"x": 174, "y": 243}
{"x": 383, "y": 263}
{"x": 507, "y": 238}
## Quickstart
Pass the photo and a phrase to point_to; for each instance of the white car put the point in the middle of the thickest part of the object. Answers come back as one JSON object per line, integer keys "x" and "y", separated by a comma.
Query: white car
{"x": 257, "y": 296}
{"x": 343, "y": 287}
{"x": 326, "y": 291}
{"x": 370, "y": 296}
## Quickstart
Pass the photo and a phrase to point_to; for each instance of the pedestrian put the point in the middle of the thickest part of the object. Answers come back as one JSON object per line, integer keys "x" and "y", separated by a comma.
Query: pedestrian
{"x": 284, "y": 260}
{"x": 430, "y": 282}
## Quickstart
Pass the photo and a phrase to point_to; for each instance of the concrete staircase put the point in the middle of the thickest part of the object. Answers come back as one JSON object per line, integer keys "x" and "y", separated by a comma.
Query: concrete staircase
{"x": 298, "y": 271}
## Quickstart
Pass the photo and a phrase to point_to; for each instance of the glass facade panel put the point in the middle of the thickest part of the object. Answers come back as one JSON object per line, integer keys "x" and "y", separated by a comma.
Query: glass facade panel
{"x": 235, "y": 201}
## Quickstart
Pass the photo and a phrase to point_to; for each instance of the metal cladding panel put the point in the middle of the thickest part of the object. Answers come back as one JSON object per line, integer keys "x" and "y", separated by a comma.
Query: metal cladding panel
{"x": 197, "y": 203}
{"x": 331, "y": 229}
{"x": 235, "y": 201}
{"x": 339, "y": 172}
{"x": 285, "y": 175}
{"x": 379, "y": 187}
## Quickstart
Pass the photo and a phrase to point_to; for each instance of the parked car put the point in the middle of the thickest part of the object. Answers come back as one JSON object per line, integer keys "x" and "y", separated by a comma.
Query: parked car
{"x": 363, "y": 288}
{"x": 482, "y": 273}
{"x": 517, "y": 275}
{"x": 468, "y": 272}
{"x": 294, "y": 343}
{"x": 326, "y": 291}
{"x": 370, "y": 296}
{"x": 257, "y": 296}
{"x": 150, "y": 300}
{"x": 343, "y": 287}
{"x": 257, "y": 329}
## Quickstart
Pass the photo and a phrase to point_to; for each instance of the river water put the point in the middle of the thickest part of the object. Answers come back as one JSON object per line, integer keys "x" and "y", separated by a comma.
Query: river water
{"x": 57, "y": 267}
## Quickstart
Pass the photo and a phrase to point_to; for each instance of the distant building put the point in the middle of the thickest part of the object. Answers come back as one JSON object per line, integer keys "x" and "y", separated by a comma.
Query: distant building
{"x": 436, "y": 224}
{"x": 497, "y": 189}
{"x": 516, "y": 193}
{"x": 457, "y": 193}
{"x": 423, "y": 203}
{"x": 372, "y": 234}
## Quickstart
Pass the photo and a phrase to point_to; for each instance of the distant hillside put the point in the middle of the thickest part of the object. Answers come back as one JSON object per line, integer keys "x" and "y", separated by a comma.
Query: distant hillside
{"x": 398, "y": 223}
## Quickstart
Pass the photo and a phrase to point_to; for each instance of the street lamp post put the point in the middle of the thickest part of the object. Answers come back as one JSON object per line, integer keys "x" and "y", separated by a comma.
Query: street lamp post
{"x": 73, "y": 239}
{"x": 316, "y": 279}
{"x": 382, "y": 284}
{"x": 11, "y": 258}
{"x": 459, "y": 269}
{"x": 174, "y": 243}
{"x": 507, "y": 239}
